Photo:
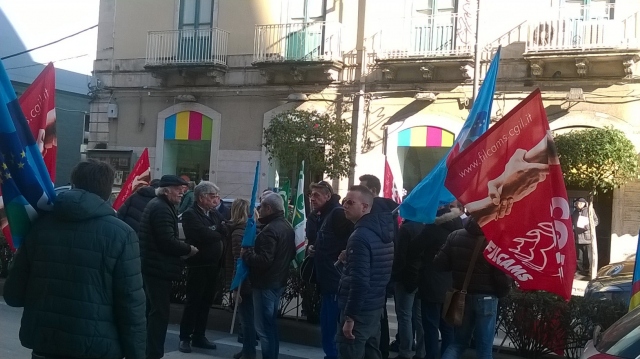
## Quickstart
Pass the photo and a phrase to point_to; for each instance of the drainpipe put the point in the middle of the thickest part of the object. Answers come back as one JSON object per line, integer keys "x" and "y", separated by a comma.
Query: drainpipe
{"x": 358, "y": 103}
{"x": 476, "y": 71}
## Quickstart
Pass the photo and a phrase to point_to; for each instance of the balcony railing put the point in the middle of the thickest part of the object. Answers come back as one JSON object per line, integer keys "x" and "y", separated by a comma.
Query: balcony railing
{"x": 427, "y": 36}
{"x": 317, "y": 41}
{"x": 187, "y": 47}
{"x": 584, "y": 28}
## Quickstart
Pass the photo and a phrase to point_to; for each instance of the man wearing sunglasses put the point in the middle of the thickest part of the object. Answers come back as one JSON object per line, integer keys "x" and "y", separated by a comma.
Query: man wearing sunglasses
{"x": 204, "y": 229}
{"x": 369, "y": 257}
{"x": 327, "y": 231}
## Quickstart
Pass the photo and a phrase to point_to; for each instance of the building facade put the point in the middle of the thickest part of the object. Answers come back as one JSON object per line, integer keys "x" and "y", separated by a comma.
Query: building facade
{"x": 197, "y": 81}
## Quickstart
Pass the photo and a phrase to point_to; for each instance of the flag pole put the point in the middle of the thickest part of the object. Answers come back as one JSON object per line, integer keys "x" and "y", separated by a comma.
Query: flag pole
{"x": 476, "y": 70}
{"x": 235, "y": 308}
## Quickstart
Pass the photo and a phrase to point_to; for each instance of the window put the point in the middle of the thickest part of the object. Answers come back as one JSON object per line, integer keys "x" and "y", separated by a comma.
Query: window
{"x": 196, "y": 14}
{"x": 433, "y": 7}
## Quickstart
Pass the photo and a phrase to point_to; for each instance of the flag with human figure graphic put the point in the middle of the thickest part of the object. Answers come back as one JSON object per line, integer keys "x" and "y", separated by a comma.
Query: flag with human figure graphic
{"x": 300, "y": 219}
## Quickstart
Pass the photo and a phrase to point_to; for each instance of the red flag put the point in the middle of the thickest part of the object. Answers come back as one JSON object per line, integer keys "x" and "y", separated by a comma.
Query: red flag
{"x": 39, "y": 106}
{"x": 139, "y": 176}
{"x": 510, "y": 180}
{"x": 389, "y": 187}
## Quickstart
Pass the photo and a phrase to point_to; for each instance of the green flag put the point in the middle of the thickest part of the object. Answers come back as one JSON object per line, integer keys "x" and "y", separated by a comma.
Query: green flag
{"x": 285, "y": 192}
{"x": 300, "y": 219}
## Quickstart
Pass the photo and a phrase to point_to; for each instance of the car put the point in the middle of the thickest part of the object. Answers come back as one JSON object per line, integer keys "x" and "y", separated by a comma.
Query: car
{"x": 613, "y": 282}
{"x": 620, "y": 340}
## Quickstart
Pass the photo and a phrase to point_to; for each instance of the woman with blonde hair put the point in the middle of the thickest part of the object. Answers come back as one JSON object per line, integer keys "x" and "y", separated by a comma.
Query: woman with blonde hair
{"x": 239, "y": 216}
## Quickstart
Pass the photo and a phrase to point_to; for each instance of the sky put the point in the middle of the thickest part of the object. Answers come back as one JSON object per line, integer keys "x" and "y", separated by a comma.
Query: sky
{"x": 38, "y": 22}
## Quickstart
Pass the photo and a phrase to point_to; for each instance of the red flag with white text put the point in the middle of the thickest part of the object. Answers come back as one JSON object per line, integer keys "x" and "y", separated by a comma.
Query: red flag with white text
{"x": 390, "y": 190}
{"x": 510, "y": 180}
{"x": 140, "y": 176}
{"x": 38, "y": 104}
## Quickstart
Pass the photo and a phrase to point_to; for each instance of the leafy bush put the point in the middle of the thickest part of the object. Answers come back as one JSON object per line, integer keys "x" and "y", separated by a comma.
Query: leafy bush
{"x": 540, "y": 323}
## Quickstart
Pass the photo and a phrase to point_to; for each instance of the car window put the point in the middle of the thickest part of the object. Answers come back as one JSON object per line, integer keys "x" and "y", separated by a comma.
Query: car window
{"x": 622, "y": 339}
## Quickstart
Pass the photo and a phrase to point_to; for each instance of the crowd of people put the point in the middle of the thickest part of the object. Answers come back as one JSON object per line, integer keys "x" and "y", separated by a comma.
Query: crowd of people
{"x": 97, "y": 284}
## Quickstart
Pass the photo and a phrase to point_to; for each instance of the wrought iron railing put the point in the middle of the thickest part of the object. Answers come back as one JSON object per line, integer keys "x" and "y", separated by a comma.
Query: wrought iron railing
{"x": 426, "y": 36}
{"x": 187, "y": 47}
{"x": 315, "y": 41}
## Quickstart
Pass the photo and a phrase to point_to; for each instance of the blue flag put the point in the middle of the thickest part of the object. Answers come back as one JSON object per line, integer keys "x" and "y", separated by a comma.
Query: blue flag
{"x": 422, "y": 203}
{"x": 249, "y": 238}
{"x": 24, "y": 180}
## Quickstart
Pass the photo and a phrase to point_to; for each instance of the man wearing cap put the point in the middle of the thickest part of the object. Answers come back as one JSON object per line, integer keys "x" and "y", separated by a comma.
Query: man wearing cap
{"x": 161, "y": 263}
{"x": 327, "y": 231}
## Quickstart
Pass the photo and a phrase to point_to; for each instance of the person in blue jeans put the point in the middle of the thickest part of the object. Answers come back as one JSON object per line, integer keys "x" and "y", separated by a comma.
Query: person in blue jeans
{"x": 327, "y": 232}
{"x": 487, "y": 284}
{"x": 269, "y": 261}
{"x": 367, "y": 270}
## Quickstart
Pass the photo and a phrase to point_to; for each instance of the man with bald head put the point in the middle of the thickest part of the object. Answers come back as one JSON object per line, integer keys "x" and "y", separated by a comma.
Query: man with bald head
{"x": 367, "y": 270}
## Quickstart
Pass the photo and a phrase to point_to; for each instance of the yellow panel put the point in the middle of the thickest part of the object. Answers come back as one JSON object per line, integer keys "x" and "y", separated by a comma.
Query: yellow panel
{"x": 418, "y": 137}
{"x": 182, "y": 126}
{"x": 447, "y": 139}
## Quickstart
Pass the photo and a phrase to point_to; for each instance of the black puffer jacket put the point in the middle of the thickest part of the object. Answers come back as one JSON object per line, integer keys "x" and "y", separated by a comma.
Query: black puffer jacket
{"x": 131, "y": 211}
{"x": 206, "y": 233}
{"x": 159, "y": 244}
{"x": 455, "y": 256}
{"x": 408, "y": 232}
{"x": 432, "y": 284}
{"x": 368, "y": 268}
{"x": 269, "y": 260}
{"x": 316, "y": 219}
{"x": 77, "y": 275}
{"x": 331, "y": 239}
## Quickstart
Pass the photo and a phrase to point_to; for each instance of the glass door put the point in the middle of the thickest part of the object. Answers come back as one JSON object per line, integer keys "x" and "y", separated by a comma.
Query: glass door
{"x": 196, "y": 20}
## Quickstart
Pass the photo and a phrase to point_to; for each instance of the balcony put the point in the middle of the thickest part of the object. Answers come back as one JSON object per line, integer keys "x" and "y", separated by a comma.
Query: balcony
{"x": 298, "y": 48}
{"x": 424, "y": 42}
{"x": 187, "y": 50}
{"x": 588, "y": 35}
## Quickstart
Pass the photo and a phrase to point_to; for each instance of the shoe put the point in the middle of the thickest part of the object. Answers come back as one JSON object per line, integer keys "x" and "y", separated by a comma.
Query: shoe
{"x": 393, "y": 347}
{"x": 237, "y": 355}
{"x": 400, "y": 357}
{"x": 184, "y": 347}
{"x": 202, "y": 342}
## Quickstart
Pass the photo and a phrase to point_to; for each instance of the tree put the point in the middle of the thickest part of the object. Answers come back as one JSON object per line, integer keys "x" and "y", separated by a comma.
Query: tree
{"x": 599, "y": 160}
{"x": 320, "y": 139}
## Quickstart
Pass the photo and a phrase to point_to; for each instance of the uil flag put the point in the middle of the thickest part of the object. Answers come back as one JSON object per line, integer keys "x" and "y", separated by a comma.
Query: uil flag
{"x": 38, "y": 104}
{"x": 140, "y": 176}
{"x": 511, "y": 182}
{"x": 300, "y": 220}
{"x": 26, "y": 187}
{"x": 635, "y": 285}
{"x": 422, "y": 203}
{"x": 249, "y": 239}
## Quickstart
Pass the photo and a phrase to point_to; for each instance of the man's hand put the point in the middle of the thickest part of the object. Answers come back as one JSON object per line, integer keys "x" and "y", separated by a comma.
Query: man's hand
{"x": 347, "y": 329}
{"x": 193, "y": 252}
{"x": 342, "y": 257}
{"x": 311, "y": 250}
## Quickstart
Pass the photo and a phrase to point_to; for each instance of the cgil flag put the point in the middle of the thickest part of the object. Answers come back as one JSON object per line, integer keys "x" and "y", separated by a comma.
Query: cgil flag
{"x": 140, "y": 176}
{"x": 511, "y": 183}
{"x": 422, "y": 203}
{"x": 635, "y": 284}
{"x": 38, "y": 104}
{"x": 300, "y": 220}
{"x": 249, "y": 239}
{"x": 26, "y": 186}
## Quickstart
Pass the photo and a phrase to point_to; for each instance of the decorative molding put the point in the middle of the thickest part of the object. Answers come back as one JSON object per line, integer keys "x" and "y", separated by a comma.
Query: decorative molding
{"x": 582, "y": 67}
{"x": 427, "y": 72}
{"x": 216, "y": 75}
{"x": 268, "y": 75}
{"x": 467, "y": 71}
{"x": 297, "y": 74}
{"x": 537, "y": 67}
{"x": 629, "y": 64}
{"x": 331, "y": 75}
{"x": 389, "y": 73}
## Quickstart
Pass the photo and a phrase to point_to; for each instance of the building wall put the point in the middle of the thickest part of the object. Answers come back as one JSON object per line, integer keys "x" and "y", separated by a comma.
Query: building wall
{"x": 246, "y": 100}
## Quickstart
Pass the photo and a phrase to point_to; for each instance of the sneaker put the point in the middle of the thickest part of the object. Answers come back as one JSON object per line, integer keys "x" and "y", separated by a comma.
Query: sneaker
{"x": 184, "y": 347}
{"x": 202, "y": 342}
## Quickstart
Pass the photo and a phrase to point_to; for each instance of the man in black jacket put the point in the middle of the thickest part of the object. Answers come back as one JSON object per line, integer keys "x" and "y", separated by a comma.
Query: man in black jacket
{"x": 203, "y": 228}
{"x": 161, "y": 258}
{"x": 327, "y": 231}
{"x": 269, "y": 261}
{"x": 77, "y": 275}
{"x": 369, "y": 257}
{"x": 131, "y": 210}
{"x": 486, "y": 285}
